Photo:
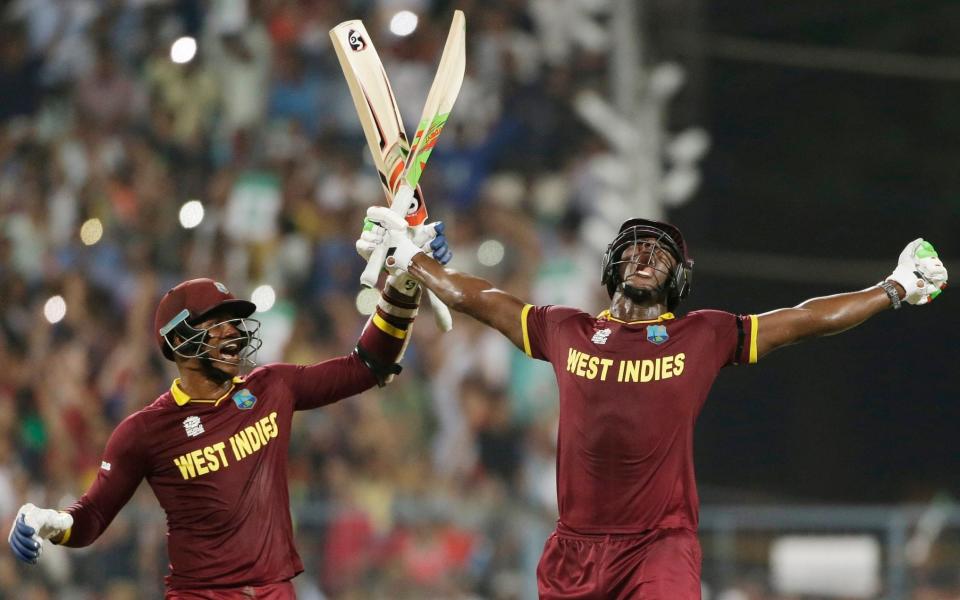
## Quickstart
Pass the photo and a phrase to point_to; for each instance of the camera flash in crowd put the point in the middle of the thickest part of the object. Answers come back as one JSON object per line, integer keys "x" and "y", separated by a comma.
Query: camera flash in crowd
{"x": 191, "y": 214}
{"x": 183, "y": 50}
{"x": 264, "y": 297}
{"x": 55, "y": 309}
{"x": 403, "y": 23}
{"x": 91, "y": 231}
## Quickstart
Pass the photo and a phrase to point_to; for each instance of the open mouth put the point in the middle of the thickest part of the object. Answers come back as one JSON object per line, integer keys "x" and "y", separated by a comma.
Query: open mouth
{"x": 231, "y": 350}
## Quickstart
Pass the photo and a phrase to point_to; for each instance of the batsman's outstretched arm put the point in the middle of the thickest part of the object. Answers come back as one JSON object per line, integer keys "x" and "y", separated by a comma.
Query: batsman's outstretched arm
{"x": 472, "y": 296}
{"x": 918, "y": 279}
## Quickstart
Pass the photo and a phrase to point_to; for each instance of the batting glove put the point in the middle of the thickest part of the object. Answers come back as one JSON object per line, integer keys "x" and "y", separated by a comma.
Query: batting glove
{"x": 33, "y": 525}
{"x": 430, "y": 238}
{"x": 920, "y": 272}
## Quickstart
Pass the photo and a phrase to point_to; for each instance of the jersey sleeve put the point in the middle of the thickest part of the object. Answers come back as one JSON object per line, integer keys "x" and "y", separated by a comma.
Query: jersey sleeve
{"x": 540, "y": 325}
{"x": 735, "y": 337}
{"x": 123, "y": 467}
{"x": 325, "y": 382}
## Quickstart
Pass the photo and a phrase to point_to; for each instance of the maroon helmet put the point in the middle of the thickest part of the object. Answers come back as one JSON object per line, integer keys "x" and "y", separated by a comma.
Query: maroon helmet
{"x": 190, "y": 303}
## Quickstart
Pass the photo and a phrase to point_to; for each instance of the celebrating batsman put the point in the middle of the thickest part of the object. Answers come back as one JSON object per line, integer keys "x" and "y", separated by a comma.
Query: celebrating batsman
{"x": 632, "y": 382}
{"x": 214, "y": 447}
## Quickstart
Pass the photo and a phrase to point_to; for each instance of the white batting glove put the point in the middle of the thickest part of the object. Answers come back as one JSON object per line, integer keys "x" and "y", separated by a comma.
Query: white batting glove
{"x": 920, "y": 272}
{"x": 383, "y": 226}
{"x": 33, "y": 525}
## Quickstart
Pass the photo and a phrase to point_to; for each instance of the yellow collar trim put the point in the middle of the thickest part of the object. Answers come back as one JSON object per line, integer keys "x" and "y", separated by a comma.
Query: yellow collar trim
{"x": 181, "y": 397}
{"x": 665, "y": 316}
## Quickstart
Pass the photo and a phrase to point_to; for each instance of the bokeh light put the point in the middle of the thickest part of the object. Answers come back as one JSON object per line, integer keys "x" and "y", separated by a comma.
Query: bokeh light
{"x": 55, "y": 309}
{"x": 183, "y": 50}
{"x": 264, "y": 297}
{"x": 367, "y": 301}
{"x": 403, "y": 23}
{"x": 91, "y": 231}
{"x": 490, "y": 253}
{"x": 191, "y": 214}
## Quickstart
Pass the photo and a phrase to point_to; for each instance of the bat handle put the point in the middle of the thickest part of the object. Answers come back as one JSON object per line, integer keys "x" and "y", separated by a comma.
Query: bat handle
{"x": 441, "y": 313}
{"x": 400, "y": 205}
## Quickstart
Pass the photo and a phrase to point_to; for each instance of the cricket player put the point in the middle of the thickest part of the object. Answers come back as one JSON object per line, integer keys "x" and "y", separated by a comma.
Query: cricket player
{"x": 632, "y": 382}
{"x": 214, "y": 446}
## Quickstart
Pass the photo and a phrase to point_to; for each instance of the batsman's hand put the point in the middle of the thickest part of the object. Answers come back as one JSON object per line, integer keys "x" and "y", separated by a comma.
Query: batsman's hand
{"x": 33, "y": 525}
{"x": 384, "y": 226}
{"x": 920, "y": 271}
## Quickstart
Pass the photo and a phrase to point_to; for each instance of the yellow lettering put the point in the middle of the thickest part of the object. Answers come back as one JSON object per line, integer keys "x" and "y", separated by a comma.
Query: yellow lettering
{"x": 243, "y": 444}
{"x": 233, "y": 446}
{"x": 620, "y": 370}
{"x": 264, "y": 438}
{"x": 572, "y": 356}
{"x": 592, "y": 368}
{"x": 273, "y": 423}
{"x": 646, "y": 371}
{"x": 581, "y": 364}
{"x": 633, "y": 371}
{"x": 666, "y": 370}
{"x": 211, "y": 456}
{"x": 197, "y": 456}
{"x": 678, "y": 364}
{"x": 265, "y": 426}
{"x": 186, "y": 466}
{"x": 606, "y": 362}
{"x": 218, "y": 447}
{"x": 253, "y": 437}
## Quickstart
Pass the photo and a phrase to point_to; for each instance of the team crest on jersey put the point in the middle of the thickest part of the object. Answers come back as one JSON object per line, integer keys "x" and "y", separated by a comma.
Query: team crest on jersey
{"x": 244, "y": 399}
{"x": 193, "y": 426}
{"x": 601, "y": 336}
{"x": 657, "y": 334}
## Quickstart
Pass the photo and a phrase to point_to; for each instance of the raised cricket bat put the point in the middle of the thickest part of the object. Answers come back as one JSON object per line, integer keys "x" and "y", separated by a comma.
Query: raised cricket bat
{"x": 399, "y": 165}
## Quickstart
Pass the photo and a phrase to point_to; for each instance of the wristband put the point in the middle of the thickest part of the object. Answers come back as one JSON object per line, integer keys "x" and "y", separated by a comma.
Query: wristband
{"x": 891, "y": 291}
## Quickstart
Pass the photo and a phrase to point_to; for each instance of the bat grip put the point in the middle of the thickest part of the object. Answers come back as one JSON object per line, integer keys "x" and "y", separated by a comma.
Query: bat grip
{"x": 400, "y": 205}
{"x": 441, "y": 313}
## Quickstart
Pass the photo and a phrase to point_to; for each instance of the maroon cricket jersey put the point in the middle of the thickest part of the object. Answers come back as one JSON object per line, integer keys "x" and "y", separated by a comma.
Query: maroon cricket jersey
{"x": 629, "y": 396}
{"x": 219, "y": 470}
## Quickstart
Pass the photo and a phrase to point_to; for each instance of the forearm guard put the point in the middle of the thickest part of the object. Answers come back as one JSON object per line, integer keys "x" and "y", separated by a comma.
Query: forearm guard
{"x": 385, "y": 337}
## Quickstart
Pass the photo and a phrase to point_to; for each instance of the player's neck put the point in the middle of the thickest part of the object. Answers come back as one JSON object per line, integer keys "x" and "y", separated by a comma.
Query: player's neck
{"x": 198, "y": 384}
{"x": 626, "y": 309}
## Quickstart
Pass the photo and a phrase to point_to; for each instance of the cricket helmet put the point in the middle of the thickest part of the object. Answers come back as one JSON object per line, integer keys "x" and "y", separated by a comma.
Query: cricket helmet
{"x": 190, "y": 303}
{"x": 666, "y": 236}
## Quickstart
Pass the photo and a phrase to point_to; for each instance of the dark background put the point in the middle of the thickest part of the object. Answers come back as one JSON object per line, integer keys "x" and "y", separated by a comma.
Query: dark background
{"x": 839, "y": 165}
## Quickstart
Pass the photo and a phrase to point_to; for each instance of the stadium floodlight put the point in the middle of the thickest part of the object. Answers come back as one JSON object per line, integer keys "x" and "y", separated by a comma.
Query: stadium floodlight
{"x": 404, "y": 23}
{"x": 183, "y": 50}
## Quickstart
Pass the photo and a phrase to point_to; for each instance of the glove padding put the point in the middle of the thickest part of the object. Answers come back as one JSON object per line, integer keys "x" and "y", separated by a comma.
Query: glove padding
{"x": 33, "y": 525}
{"x": 382, "y": 225}
{"x": 920, "y": 272}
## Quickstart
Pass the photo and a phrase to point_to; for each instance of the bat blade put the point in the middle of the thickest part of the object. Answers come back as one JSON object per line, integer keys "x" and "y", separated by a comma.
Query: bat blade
{"x": 377, "y": 108}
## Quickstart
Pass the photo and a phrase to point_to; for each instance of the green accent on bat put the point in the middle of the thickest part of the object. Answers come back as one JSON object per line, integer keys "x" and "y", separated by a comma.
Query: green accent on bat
{"x": 368, "y": 225}
{"x": 934, "y": 294}
{"x": 925, "y": 250}
{"x": 425, "y": 147}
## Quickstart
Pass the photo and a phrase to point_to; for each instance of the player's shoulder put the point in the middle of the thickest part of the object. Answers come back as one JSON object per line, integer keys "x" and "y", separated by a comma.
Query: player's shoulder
{"x": 556, "y": 313}
{"x": 707, "y": 314}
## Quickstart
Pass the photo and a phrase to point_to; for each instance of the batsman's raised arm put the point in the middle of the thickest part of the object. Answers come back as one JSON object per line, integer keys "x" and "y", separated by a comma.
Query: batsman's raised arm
{"x": 462, "y": 292}
{"x": 918, "y": 278}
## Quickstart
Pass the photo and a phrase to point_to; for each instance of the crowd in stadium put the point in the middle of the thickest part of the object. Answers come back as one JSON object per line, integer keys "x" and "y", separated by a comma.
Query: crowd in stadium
{"x": 442, "y": 481}
{"x": 438, "y": 485}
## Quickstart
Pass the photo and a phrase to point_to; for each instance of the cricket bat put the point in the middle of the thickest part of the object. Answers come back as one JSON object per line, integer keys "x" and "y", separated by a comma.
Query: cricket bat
{"x": 399, "y": 163}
